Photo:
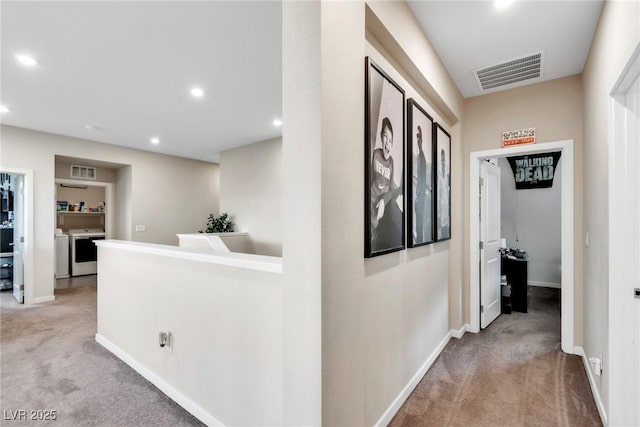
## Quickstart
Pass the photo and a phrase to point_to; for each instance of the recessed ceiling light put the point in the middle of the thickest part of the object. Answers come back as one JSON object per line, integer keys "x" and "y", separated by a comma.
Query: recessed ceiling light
{"x": 277, "y": 123}
{"x": 502, "y": 4}
{"x": 197, "y": 92}
{"x": 26, "y": 60}
{"x": 4, "y": 109}
{"x": 92, "y": 127}
{"x": 155, "y": 141}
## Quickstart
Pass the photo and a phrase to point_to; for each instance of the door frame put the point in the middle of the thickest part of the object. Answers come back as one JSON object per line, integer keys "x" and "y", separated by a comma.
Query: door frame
{"x": 29, "y": 241}
{"x": 621, "y": 363}
{"x": 567, "y": 224}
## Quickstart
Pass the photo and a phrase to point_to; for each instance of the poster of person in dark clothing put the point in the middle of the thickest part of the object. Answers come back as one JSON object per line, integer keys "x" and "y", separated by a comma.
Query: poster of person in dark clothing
{"x": 443, "y": 183}
{"x": 384, "y": 189}
{"x": 420, "y": 189}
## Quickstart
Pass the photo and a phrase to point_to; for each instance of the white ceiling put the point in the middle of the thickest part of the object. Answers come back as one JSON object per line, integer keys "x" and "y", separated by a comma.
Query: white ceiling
{"x": 469, "y": 35}
{"x": 127, "y": 67}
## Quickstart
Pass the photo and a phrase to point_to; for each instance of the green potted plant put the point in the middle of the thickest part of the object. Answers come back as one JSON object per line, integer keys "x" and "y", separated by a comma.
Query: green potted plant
{"x": 219, "y": 224}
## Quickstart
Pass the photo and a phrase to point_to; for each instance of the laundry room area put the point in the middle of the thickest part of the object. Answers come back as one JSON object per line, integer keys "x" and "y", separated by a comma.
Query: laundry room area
{"x": 82, "y": 193}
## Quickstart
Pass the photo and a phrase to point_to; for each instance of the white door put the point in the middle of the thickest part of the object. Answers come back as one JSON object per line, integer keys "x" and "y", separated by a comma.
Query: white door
{"x": 624, "y": 249}
{"x": 18, "y": 237}
{"x": 633, "y": 159}
{"x": 490, "y": 294}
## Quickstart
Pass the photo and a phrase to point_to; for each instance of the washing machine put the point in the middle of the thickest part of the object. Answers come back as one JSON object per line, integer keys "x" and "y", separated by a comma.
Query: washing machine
{"x": 84, "y": 252}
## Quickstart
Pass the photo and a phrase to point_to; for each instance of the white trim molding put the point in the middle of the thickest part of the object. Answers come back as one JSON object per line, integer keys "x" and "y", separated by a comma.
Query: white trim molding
{"x": 182, "y": 400}
{"x": 567, "y": 274}
{"x": 460, "y": 332}
{"x": 397, "y": 403}
{"x": 594, "y": 390}
{"x": 43, "y": 299}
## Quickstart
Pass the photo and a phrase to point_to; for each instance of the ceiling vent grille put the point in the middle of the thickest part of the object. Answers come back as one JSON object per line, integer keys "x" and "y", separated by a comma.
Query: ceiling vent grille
{"x": 510, "y": 72}
{"x": 84, "y": 172}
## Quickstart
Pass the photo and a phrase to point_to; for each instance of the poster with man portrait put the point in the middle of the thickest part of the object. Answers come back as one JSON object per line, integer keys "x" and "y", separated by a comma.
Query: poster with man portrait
{"x": 384, "y": 160}
{"x": 420, "y": 169}
{"x": 442, "y": 159}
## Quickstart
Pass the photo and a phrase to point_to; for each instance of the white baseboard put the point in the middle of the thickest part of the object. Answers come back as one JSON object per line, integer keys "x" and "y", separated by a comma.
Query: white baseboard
{"x": 391, "y": 411}
{"x": 594, "y": 390}
{"x": 460, "y": 332}
{"x": 43, "y": 299}
{"x": 544, "y": 284}
{"x": 182, "y": 400}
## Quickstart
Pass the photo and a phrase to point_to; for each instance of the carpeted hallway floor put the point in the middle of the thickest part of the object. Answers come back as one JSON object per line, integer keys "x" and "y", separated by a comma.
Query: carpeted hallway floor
{"x": 511, "y": 374}
{"x": 51, "y": 362}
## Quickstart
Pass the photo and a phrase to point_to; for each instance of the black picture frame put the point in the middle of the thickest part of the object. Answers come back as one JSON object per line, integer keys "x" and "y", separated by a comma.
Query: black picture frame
{"x": 420, "y": 176}
{"x": 442, "y": 154}
{"x": 384, "y": 179}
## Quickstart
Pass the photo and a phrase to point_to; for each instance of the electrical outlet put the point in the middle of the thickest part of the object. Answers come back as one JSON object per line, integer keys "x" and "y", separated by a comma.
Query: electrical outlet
{"x": 165, "y": 339}
{"x": 597, "y": 364}
{"x": 141, "y": 228}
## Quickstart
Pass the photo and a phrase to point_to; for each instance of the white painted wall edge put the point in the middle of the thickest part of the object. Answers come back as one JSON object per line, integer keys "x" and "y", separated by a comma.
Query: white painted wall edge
{"x": 231, "y": 259}
{"x": 182, "y": 400}
{"x": 460, "y": 332}
{"x": 544, "y": 284}
{"x": 594, "y": 390}
{"x": 391, "y": 411}
{"x": 39, "y": 300}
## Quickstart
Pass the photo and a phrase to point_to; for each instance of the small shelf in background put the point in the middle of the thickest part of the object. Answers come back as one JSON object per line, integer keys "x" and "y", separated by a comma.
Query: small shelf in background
{"x": 78, "y": 213}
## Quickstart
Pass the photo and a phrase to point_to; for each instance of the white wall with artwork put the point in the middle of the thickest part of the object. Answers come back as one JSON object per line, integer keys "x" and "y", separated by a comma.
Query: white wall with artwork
{"x": 531, "y": 222}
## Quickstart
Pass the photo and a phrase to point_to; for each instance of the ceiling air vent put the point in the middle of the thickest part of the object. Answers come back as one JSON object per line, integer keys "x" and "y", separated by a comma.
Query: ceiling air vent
{"x": 510, "y": 72}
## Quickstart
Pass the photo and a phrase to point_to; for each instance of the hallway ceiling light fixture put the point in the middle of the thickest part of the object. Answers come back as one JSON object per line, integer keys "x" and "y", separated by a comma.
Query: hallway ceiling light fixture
{"x": 26, "y": 60}
{"x": 4, "y": 109}
{"x": 277, "y": 123}
{"x": 155, "y": 141}
{"x": 92, "y": 127}
{"x": 197, "y": 92}
{"x": 502, "y": 4}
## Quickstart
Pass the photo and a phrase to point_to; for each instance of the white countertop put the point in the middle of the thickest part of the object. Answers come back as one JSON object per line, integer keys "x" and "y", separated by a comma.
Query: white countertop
{"x": 231, "y": 259}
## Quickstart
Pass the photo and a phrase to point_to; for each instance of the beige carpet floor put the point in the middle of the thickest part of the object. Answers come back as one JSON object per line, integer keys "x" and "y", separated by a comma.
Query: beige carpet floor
{"x": 511, "y": 374}
{"x": 49, "y": 361}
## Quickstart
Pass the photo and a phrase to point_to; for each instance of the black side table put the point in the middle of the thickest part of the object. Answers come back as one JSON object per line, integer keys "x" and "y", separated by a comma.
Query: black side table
{"x": 516, "y": 271}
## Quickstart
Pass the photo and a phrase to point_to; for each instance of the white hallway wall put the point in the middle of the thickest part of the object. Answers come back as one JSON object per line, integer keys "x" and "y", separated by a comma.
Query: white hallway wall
{"x": 531, "y": 222}
{"x": 251, "y": 192}
{"x": 158, "y": 198}
{"x": 616, "y": 37}
{"x": 382, "y": 317}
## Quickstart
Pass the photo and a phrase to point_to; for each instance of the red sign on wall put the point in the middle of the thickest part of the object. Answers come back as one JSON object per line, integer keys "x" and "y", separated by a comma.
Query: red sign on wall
{"x": 518, "y": 137}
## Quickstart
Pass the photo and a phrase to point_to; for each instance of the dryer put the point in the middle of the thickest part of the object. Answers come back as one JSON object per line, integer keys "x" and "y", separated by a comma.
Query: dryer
{"x": 84, "y": 252}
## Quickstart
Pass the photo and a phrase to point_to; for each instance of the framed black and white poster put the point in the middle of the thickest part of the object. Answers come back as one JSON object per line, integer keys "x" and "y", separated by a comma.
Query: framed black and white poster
{"x": 384, "y": 162}
{"x": 442, "y": 158}
{"x": 420, "y": 170}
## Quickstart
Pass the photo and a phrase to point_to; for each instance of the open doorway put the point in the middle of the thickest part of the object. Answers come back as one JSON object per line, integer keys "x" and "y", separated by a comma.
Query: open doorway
{"x": 16, "y": 234}
{"x": 520, "y": 254}
{"x": 84, "y": 194}
{"x": 566, "y": 233}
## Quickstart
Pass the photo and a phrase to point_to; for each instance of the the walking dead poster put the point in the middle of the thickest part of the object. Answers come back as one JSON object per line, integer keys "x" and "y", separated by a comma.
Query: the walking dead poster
{"x": 534, "y": 170}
